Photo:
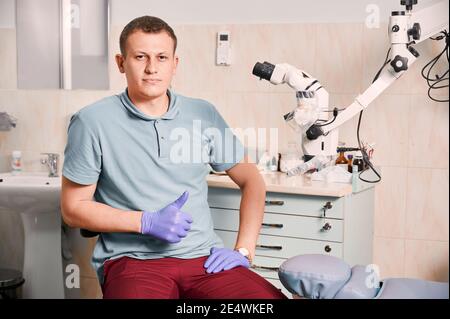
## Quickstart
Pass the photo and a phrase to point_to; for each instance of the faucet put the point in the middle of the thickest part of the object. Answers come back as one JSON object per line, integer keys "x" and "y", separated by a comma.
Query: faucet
{"x": 52, "y": 163}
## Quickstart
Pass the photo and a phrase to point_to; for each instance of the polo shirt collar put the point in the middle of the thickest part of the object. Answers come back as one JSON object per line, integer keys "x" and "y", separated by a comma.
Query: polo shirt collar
{"x": 169, "y": 115}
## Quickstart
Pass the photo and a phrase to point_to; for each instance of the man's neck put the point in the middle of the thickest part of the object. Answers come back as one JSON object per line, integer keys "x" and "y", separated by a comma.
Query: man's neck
{"x": 155, "y": 107}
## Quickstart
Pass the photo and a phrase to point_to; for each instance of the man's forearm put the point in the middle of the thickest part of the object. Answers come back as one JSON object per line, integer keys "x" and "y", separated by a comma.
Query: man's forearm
{"x": 251, "y": 213}
{"x": 99, "y": 217}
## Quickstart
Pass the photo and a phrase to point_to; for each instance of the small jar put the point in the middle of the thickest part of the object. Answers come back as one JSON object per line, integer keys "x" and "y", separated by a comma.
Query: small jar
{"x": 358, "y": 161}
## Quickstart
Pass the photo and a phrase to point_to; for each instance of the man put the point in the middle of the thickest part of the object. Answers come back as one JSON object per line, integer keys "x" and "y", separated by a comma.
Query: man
{"x": 153, "y": 242}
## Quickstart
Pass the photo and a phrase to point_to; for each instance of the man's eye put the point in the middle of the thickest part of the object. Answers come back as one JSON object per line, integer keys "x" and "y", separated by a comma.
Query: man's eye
{"x": 162, "y": 57}
{"x": 140, "y": 57}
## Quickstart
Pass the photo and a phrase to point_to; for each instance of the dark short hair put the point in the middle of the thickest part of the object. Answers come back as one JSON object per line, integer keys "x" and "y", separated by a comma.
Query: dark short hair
{"x": 147, "y": 24}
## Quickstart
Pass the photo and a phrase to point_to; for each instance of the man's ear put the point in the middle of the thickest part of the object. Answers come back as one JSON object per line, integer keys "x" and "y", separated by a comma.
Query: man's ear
{"x": 176, "y": 60}
{"x": 119, "y": 60}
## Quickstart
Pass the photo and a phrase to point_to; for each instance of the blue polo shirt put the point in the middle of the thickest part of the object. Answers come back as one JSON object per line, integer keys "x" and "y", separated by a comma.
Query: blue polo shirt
{"x": 140, "y": 162}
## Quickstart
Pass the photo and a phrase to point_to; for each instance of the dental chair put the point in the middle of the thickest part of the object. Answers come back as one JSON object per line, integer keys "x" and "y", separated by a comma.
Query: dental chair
{"x": 326, "y": 277}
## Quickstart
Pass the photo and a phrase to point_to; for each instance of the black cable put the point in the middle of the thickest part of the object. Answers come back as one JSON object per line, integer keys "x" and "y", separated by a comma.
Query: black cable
{"x": 436, "y": 83}
{"x": 335, "y": 114}
{"x": 366, "y": 159}
{"x": 339, "y": 110}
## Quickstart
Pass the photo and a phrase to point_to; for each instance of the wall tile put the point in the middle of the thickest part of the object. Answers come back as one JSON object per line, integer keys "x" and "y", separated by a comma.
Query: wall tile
{"x": 196, "y": 68}
{"x": 339, "y": 57}
{"x": 253, "y": 120}
{"x": 8, "y": 59}
{"x": 428, "y": 136}
{"x": 390, "y": 203}
{"x": 427, "y": 204}
{"x": 388, "y": 255}
{"x": 294, "y": 44}
{"x": 426, "y": 260}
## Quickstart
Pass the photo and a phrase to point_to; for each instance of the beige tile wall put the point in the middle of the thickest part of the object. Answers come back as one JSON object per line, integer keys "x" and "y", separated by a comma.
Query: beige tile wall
{"x": 410, "y": 131}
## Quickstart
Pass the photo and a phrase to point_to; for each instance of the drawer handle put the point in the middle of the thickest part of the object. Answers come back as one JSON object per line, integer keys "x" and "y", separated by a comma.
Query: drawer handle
{"x": 326, "y": 227}
{"x": 269, "y": 247}
{"x": 275, "y": 202}
{"x": 327, "y": 248}
{"x": 272, "y": 225}
{"x": 327, "y": 205}
{"x": 265, "y": 268}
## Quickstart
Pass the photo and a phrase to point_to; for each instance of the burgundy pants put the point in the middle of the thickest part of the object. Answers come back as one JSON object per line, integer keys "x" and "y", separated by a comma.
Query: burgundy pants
{"x": 173, "y": 278}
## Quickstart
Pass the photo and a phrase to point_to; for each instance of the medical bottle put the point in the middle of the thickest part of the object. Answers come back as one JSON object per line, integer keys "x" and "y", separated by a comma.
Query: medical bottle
{"x": 342, "y": 161}
{"x": 350, "y": 163}
{"x": 16, "y": 162}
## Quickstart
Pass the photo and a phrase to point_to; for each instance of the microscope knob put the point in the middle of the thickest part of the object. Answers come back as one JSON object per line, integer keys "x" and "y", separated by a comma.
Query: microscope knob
{"x": 415, "y": 31}
{"x": 399, "y": 63}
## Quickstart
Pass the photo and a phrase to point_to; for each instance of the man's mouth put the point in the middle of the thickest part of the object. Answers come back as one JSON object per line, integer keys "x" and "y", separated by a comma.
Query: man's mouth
{"x": 151, "y": 81}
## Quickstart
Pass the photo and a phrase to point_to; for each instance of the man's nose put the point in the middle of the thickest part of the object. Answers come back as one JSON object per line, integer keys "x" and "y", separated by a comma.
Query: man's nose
{"x": 150, "y": 68}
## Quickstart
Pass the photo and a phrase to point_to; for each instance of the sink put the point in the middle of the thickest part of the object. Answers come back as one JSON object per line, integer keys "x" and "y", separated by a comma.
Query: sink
{"x": 36, "y": 197}
{"x": 30, "y": 180}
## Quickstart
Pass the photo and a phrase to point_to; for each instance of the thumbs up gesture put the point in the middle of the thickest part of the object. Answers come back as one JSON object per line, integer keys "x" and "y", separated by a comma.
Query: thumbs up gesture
{"x": 169, "y": 224}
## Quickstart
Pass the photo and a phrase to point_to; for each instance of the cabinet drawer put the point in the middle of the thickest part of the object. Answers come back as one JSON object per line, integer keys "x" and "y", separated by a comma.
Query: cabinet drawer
{"x": 282, "y": 203}
{"x": 285, "y": 247}
{"x": 267, "y": 267}
{"x": 284, "y": 225}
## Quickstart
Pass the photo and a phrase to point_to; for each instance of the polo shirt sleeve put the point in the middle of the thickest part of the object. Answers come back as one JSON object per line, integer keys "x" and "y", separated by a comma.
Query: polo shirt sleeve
{"x": 226, "y": 150}
{"x": 82, "y": 155}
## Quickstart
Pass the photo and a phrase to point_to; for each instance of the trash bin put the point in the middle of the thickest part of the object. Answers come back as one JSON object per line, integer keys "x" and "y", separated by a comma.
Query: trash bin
{"x": 10, "y": 283}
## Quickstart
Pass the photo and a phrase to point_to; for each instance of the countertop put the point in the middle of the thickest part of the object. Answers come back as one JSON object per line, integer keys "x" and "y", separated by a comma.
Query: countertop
{"x": 278, "y": 182}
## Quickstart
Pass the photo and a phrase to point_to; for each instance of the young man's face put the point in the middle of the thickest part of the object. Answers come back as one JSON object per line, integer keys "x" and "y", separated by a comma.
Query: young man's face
{"x": 149, "y": 64}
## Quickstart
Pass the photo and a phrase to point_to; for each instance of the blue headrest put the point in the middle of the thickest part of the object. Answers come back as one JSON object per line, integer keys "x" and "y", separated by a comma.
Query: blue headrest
{"x": 314, "y": 276}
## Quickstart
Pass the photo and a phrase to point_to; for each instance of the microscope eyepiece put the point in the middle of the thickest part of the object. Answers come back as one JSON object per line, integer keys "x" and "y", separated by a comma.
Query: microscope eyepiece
{"x": 263, "y": 70}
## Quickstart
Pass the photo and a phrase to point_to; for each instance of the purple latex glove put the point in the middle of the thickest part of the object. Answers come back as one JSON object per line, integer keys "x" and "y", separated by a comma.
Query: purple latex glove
{"x": 224, "y": 259}
{"x": 169, "y": 223}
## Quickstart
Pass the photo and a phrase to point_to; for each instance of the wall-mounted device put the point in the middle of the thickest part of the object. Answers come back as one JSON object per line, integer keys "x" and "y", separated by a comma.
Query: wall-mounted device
{"x": 223, "y": 54}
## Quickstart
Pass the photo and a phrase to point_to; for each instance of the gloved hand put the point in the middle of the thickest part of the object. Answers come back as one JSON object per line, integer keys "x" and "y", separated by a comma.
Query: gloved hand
{"x": 224, "y": 259}
{"x": 169, "y": 223}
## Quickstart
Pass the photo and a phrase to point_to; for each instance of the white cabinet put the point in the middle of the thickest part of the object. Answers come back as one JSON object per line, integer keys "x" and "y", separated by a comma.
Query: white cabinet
{"x": 295, "y": 224}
